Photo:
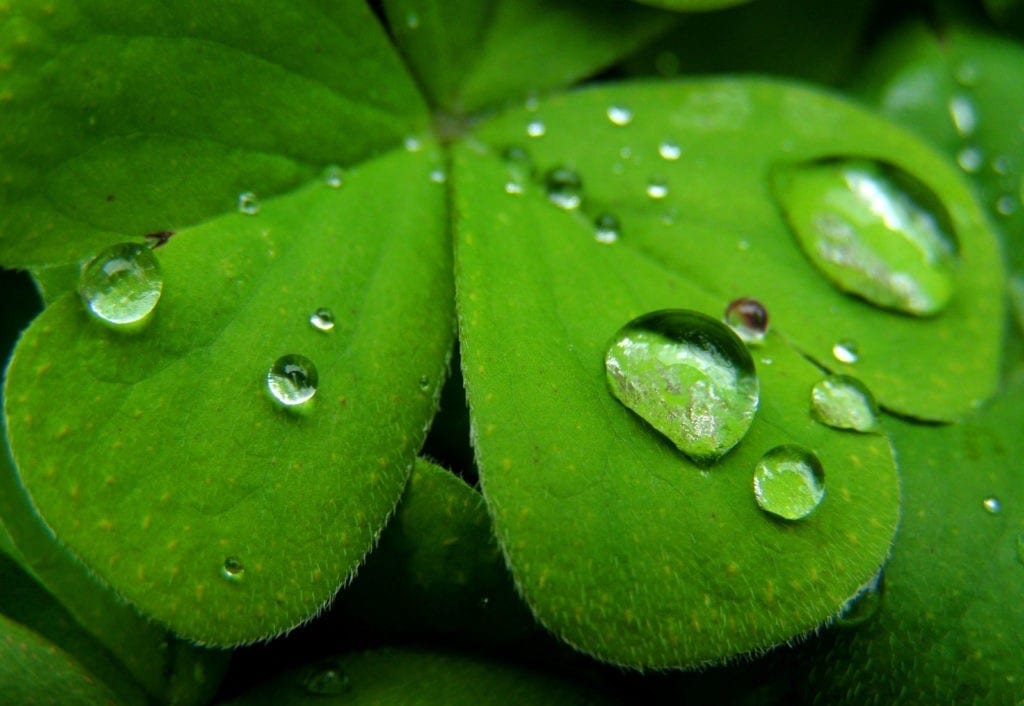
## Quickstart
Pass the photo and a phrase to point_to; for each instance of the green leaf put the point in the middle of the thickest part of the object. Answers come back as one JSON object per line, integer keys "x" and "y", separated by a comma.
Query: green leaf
{"x": 692, "y": 5}
{"x": 469, "y": 54}
{"x": 167, "y": 457}
{"x": 951, "y": 624}
{"x": 417, "y": 678}
{"x": 439, "y": 566}
{"x": 619, "y": 543}
{"x": 119, "y": 124}
{"x": 720, "y": 227}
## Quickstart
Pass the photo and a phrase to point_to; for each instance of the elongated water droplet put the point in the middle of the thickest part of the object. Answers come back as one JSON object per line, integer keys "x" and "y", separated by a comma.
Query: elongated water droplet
{"x": 688, "y": 376}
{"x": 334, "y": 176}
{"x": 846, "y": 351}
{"x": 122, "y": 284}
{"x": 536, "y": 128}
{"x": 992, "y": 505}
{"x": 606, "y": 228}
{"x": 620, "y": 115}
{"x": 844, "y": 402}
{"x": 233, "y": 569}
{"x": 873, "y": 230}
{"x": 669, "y": 151}
{"x": 964, "y": 115}
{"x": 864, "y": 604}
{"x": 564, "y": 188}
{"x": 248, "y": 203}
{"x": 292, "y": 379}
{"x": 657, "y": 188}
{"x": 327, "y": 677}
{"x": 748, "y": 318}
{"x": 322, "y": 319}
{"x": 789, "y": 482}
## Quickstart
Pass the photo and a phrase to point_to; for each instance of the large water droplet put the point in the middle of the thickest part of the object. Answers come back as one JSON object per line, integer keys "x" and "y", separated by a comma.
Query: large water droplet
{"x": 620, "y": 115}
{"x": 248, "y": 203}
{"x": 292, "y": 379}
{"x": 748, "y": 318}
{"x": 564, "y": 188}
{"x": 122, "y": 284}
{"x": 992, "y": 505}
{"x": 844, "y": 402}
{"x": 669, "y": 151}
{"x": 873, "y": 230}
{"x": 606, "y": 228}
{"x": 789, "y": 482}
{"x": 233, "y": 569}
{"x": 327, "y": 677}
{"x": 322, "y": 319}
{"x": 846, "y": 351}
{"x": 689, "y": 376}
{"x": 864, "y": 604}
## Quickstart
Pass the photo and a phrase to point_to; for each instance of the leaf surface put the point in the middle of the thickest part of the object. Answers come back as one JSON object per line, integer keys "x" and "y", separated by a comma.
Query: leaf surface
{"x": 692, "y": 5}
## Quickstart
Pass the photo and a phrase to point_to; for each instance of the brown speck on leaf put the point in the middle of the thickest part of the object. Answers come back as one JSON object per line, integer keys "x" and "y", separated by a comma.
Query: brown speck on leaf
{"x": 160, "y": 238}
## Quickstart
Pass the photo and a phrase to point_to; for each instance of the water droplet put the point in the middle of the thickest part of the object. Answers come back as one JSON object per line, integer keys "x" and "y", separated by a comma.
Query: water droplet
{"x": 438, "y": 176}
{"x": 992, "y": 505}
{"x": 965, "y": 118}
{"x": 846, "y": 351}
{"x": 873, "y": 230}
{"x": 844, "y": 402}
{"x": 657, "y": 188}
{"x": 327, "y": 677}
{"x": 322, "y": 319}
{"x": 689, "y": 376}
{"x": 748, "y": 318}
{"x": 536, "y": 128}
{"x": 606, "y": 228}
{"x": 669, "y": 151}
{"x": 412, "y": 143}
{"x": 620, "y": 115}
{"x": 292, "y": 379}
{"x": 518, "y": 161}
{"x": 233, "y": 569}
{"x": 1006, "y": 205}
{"x": 532, "y": 102}
{"x": 626, "y": 152}
{"x": 122, "y": 284}
{"x": 864, "y": 604}
{"x": 513, "y": 187}
{"x": 970, "y": 159}
{"x": 564, "y": 188}
{"x": 412, "y": 20}
{"x": 789, "y": 482}
{"x": 424, "y": 383}
{"x": 334, "y": 176}
{"x": 248, "y": 203}
{"x": 1001, "y": 164}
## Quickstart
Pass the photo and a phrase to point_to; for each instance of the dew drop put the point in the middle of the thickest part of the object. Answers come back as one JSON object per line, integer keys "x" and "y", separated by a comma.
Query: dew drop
{"x": 438, "y": 176}
{"x": 536, "y": 128}
{"x": 789, "y": 482}
{"x": 844, "y": 402}
{"x": 1001, "y": 164}
{"x": 970, "y": 159}
{"x": 864, "y": 604}
{"x": 326, "y": 678}
{"x": 412, "y": 20}
{"x": 122, "y": 284}
{"x": 292, "y": 379}
{"x": 233, "y": 569}
{"x": 248, "y": 203}
{"x": 657, "y": 188}
{"x": 748, "y": 318}
{"x": 606, "y": 228}
{"x": 322, "y": 319}
{"x": 992, "y": 505}
{"x": 1006, "y": 205}
{"x": 564, "y": 188}
{"x": 619, "y": 115}
{"x": 669, "y": 151}
{"x": 424, "y": 383}
{"x": 688, "y": 376}
{"x": 334, "y": 176}
{"x": 846, "y": 351}
{"x": 518, "y": 161}
{"x": 962, "y": 111}
{"x": 412, "y": 143}
{"x": 873, "y": 231}
{"x": 513, "y": 188}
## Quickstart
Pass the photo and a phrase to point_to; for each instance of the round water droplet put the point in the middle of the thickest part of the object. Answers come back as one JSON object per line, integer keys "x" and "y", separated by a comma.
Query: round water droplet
{"x": 688, "y": 376}
{"x": 619, "y": 115}
{"x": 412, "y": 143}
{"x": 564, "y": 188}
{"x": 873, "y": 230}
{"x": 864, "y": 604}
{"x": 438, "y": 176}
{"x": 789, "y": 482}
{"x": 992, "y": 505}
{"x": 536, "y": 128}
{"x": 412, "y": 20}
{"x": 657, "y": 188}
{"x": 606, "y": 228}
{"x": 334, "y": 176}
{"x": 1001, "y": 164}
{"x": 748, "y": 318}
{"x": 970, "y": 159}
{"x": 122, "y": 284}
{"x": 1006, "y": 205}
{"x": 322, "y": 319}
{"x": 248, "y": 203}
{"x": 669, "y": 151}
{"x": 846, "y": 351}
{"x": 233, "y": 569}
{"x": 844, "y": 402}
{"x": 292, "y": 379}
{"x": 327, "y": 677}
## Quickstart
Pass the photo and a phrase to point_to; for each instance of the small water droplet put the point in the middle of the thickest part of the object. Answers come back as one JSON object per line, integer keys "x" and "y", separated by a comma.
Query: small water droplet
{"x": 669, "y": 151}
{"x": 233, "y": 569}
{"x": 513, "y": 188}
{"x": 970, "y": 159}
{"x": 438, "y": 176}
{"x": 322, "y": 319}
{"x": 1006, "y": 205}
{"x": 122, "y": 284}
{"x": 964, "y": 115}
{"x": 334, "y": 176}
{"x": 412, "y": 143}
{"x": 518, "y": 161}
{"x": 846, "y": 351}
{"x": 248, "y": 203}
{"x": 657, "y": 188}
{"x": 992, "y": 505}
{"x": 327, "y": 677}
{"x": 688, "y": 376}
{"x": 864, "y": 604}
{"x": 536, "y": 128}
{"x": 789, "y": 482}
{"x": 606, "y": 228}
{"x": 564, "y": 188}
{"x": 292, "y": 379}
{"x": 743, "y": 245}
{"x": 412, "y": 20}
{"x": 619, "y": 115}
{"x": 873, "y": 231}
{"x": 532, "y": 102}
{"x": 844, "y": 402}
{"x": 748, "y": 318}
{"x": 1001, "y": 164}
{"x": 424, "y": 383}
{"x": 626, "y": 152}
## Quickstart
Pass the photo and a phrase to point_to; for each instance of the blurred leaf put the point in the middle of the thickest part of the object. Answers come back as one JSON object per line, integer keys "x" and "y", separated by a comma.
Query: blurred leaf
{"x": 692, "y": 5}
